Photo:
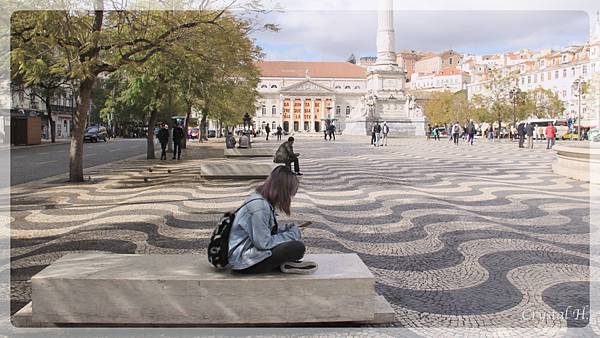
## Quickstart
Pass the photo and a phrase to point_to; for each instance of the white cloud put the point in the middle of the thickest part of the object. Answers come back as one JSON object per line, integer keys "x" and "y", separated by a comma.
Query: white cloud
{"x": 335, "y": 34}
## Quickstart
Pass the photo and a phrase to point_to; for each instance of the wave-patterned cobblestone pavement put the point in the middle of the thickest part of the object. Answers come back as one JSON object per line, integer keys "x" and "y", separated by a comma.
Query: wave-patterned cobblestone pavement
{"x": 468, "y": 236}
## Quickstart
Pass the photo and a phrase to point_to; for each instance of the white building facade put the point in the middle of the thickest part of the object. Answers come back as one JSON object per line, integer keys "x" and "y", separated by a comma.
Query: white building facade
{"x": 303, "y": 96}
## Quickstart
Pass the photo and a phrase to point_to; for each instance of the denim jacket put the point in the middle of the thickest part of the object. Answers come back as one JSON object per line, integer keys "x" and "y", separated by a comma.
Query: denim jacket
{"x": 250, "y": 239}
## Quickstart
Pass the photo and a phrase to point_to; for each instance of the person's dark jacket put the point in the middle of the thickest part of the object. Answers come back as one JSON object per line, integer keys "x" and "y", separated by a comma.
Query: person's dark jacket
{"x": 530, "y": 128}
{"x": 521, "y": 129}
{"x": 178, "y": 134}
{"x": 285, "y": 153}
{"x": 163, "y": 135}
{"x": 471, "y": 129}
{"x": 267, "y": 129}
{"x": 230, "y": 141}
{"x": 377, "y": 128}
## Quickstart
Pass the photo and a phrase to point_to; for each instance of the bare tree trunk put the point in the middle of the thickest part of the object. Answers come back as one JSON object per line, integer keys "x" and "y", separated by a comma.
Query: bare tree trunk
{"x": 50, "y": 120}
{"x": 79, "y": 118}
{"x": 150, "y": 136}
{"x": 203, "y": 128}
{"x": 185, "y": 125}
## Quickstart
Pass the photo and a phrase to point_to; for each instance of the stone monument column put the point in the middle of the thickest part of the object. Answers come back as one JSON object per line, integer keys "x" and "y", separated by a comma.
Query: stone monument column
{"x": 386, "y": 50}
{"x": 312, "y": 114}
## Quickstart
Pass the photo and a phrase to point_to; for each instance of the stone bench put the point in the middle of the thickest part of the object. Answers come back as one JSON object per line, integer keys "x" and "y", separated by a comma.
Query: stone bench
{"x": 248, "y": 152}
{"x": 113, "y": 289}
{"x": 236, "y": 170}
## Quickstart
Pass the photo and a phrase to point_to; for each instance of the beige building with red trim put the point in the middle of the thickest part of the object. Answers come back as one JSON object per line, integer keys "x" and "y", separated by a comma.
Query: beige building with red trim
{"x": 300, "y": 96}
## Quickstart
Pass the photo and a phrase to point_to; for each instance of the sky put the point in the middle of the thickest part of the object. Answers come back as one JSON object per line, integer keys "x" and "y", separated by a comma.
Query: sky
{"x": 333, "y": 35}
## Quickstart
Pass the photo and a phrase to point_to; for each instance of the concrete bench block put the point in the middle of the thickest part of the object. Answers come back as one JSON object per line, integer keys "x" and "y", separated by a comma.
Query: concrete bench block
{"x": 249, "y": 152}
{"x": 185, "y": 289}
{"x": 241, "y": 170}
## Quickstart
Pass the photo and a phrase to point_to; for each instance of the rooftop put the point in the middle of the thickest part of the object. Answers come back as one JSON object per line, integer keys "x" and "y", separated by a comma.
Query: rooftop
{"x": 302, "y": 69}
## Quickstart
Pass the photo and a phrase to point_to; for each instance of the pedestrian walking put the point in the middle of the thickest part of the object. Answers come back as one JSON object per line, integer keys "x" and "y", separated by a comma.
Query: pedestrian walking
{"x": 279, "y": 132}
{"x": 163, "y": 139}
{"x": 385, "y": 131}
{"x": 550, "y": 135}
{"x": 285, "y": 154}
{"x": 521, "y": 133}
{"x": 491, "y": 134}
{"x": 456, "y": 131}
{"x": 332, "y": 131}
{"x": 529, "y": 129}
{"x": 429, "y": 131}
{"x": 377, "y": 129}
{"x": 435, "y": 132}
{"x": 373, "y": 135}
{"x": 178, "y": 135}
{"x": 268, "y": 131}
{"x": 471, "y": 132}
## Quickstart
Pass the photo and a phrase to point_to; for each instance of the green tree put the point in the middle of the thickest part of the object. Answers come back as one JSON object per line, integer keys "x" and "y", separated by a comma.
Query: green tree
{"x": 439, "y": 108}
{"x": 95, "y": 42}
{"x": 498, "y": 87}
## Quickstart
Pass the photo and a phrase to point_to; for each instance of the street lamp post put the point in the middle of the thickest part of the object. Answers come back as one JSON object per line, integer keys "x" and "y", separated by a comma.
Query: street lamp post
{"x": 514, "y": 96}
{"x": 577, "y": 87}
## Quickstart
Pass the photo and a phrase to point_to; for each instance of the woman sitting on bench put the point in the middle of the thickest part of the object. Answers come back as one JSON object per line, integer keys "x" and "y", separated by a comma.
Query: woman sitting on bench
{"x": 256, "y": 243}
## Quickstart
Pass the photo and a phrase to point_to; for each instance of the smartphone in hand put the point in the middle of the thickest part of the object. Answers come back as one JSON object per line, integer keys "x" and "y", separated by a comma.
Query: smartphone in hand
{"x": 305, "y": 224}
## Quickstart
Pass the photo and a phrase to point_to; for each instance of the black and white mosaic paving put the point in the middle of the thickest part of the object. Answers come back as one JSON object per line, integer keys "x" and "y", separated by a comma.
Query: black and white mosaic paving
{"x": 468, "y": 236}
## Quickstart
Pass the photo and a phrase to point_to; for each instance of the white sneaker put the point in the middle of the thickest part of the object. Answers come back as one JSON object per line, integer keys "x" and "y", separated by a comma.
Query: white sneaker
{"x": 303, "y": 267}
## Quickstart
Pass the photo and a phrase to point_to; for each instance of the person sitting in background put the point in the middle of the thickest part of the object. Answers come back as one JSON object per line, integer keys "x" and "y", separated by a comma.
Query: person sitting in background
{"x": 229, "y": 141}
{"x": 285, "y": 154}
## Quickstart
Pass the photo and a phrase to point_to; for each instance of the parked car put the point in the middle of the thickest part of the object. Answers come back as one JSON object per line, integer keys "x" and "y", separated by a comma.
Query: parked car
{"x": 570, "y": 136}
{"x": 193, "y": 133}
{"x": 212, "y": 133}
{"x": 95, "y": 133}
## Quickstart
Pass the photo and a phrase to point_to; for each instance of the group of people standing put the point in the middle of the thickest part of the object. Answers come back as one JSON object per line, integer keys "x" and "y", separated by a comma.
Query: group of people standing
{"x": 528, "y": 129}
{"x": 163, "y": 138}
{"x": 456, "y": 131}
{"x": 379, "y": 134}
{"x": 278, "y": 132}
{"x": 329, "y": 131}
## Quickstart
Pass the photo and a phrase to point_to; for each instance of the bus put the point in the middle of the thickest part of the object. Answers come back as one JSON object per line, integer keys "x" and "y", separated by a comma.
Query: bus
{"x": 541, "y": 124}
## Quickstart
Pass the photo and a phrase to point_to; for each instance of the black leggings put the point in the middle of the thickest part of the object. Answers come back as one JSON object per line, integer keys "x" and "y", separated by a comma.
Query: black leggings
{"x": 284, "y": 252}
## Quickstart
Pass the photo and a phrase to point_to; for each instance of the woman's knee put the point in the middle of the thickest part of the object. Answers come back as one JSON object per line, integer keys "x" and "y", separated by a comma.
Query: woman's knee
{"x": 297, "y": 249}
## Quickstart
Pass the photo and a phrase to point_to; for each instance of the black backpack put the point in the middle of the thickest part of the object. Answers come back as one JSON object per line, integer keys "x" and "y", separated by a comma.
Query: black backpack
{"x": 218, "y": 247}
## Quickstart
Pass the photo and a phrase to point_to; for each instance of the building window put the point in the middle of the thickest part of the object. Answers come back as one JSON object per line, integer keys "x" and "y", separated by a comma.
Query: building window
{"x": 565, "y": 72}
{"x": 34, "y": 104}
{"x": 273, "y": 110}
{"x": 556, "y": 74}
{"x": 263, "y": 86}
{"x": 450, "y": 60}
{"x": 564, "y": 93}
{"x": 338, "y": 110}
{"x": 573, "y": 71}
{"x": 21, "y": 96}
{"x": 274, "y": 87}
{"x": 347, "y": 111}
{"x": 357, "y": 87}
{"x": 338, "y": 87}
{"x": 593, "y": 67}
{"x": 264, "y": 110}
{"x": 542, "y": 77}
{"x": 347, "y": 87}
{"x": 549, "y": 76}
{"x": 523, "y": 80}
{"x": 528, "y": 78}
{"x": 584, "y": 69}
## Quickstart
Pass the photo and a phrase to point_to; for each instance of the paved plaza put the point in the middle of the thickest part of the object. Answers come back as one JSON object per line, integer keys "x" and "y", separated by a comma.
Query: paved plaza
{"x": 468, "y": 236}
